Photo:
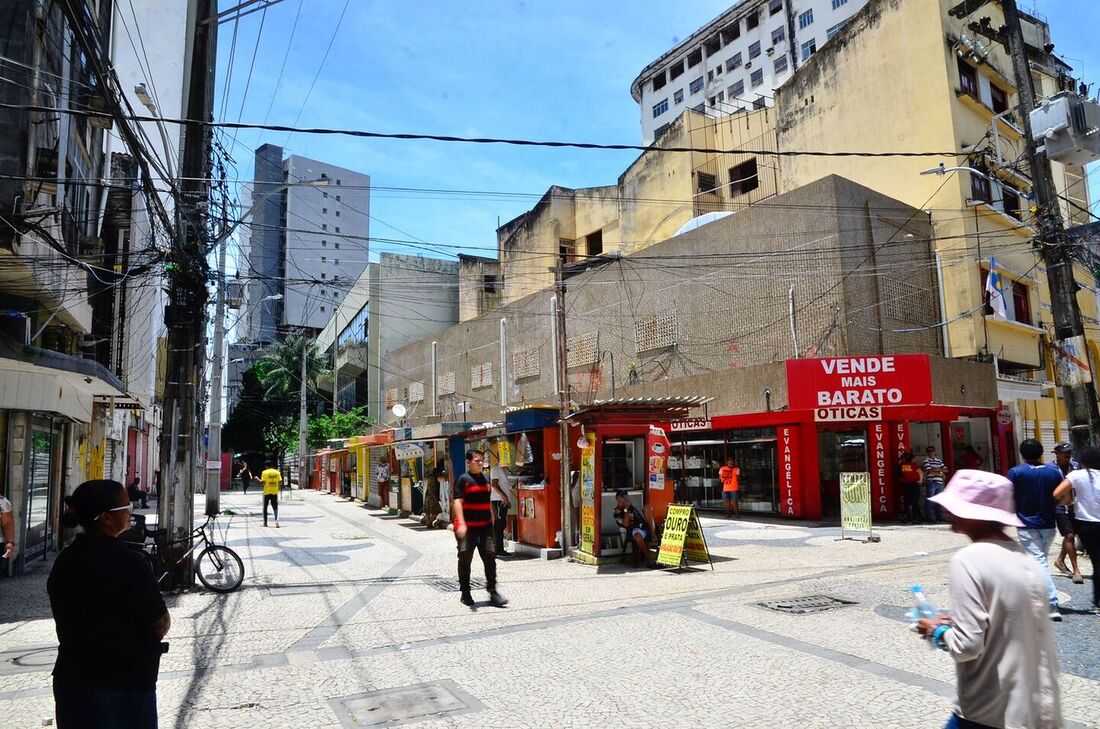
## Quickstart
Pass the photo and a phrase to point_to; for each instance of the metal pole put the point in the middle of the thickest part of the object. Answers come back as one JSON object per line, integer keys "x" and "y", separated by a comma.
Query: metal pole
{"x": 335, "y": 354}
{"x": 563, "y": 411}
{"x": 302, "y": 419}
{"x": 1081, "y": 406}
{"x": 214, "y": 435}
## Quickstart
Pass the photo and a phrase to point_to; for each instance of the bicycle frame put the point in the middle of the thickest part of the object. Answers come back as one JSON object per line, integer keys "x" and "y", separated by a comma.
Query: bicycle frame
{"x": 197, "y": 538}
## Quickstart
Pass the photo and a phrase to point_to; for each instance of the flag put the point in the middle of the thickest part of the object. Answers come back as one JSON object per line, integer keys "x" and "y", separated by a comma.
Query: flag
{"x": 996, "y": 294}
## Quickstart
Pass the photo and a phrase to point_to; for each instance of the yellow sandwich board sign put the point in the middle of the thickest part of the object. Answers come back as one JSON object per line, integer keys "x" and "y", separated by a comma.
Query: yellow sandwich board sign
{"x": 855, "y": 504}
{"x": 683, "y": 539}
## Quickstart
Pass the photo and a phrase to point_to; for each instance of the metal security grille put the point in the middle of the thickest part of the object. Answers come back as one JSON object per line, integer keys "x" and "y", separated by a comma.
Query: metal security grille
{"x": 445, "y": 383}
{"x": 446, "y": 585}
{"x": 905, "y": 302}
{"x": 525, "y": 363}
{"x": 481, "y": 375}
{"x": 416, "y": 391}
{"x": 655, "y": 332}
{"x": 805, "y": 604}
{"x": 583, "y": 349}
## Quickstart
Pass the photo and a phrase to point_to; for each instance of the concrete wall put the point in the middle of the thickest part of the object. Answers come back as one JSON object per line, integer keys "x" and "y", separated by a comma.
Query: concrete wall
{"x": 719, "y": 295}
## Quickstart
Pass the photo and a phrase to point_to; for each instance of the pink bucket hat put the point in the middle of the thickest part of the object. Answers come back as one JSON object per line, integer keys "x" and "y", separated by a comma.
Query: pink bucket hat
{"x": 981, "y": 496}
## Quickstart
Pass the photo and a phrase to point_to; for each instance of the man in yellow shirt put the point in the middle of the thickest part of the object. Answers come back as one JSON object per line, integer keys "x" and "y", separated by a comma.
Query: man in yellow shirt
{"x": 272, "y": 481}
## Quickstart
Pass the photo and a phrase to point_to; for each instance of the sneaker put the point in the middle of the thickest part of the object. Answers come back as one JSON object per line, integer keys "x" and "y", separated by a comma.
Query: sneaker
{"x": 496, "y": 599}
{"x": 467, "y": 599}
{"x": 276, "y": 525}
{"x": 1054, "y": 614}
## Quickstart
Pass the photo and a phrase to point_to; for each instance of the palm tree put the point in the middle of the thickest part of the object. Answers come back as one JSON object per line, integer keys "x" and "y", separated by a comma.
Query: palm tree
{"x": 280, "y": 372}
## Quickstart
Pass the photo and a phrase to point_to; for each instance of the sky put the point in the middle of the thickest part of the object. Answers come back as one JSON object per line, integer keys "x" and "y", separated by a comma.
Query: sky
{"x": 526, "y": 69}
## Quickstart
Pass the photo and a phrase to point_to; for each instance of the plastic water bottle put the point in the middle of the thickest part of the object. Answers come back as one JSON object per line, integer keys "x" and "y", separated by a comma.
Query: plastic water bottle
{"x": 923, "y": 608}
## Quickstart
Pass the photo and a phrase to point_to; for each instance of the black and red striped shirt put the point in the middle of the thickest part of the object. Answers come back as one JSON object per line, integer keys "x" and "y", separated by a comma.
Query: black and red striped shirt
{"x": 475, "y": 492}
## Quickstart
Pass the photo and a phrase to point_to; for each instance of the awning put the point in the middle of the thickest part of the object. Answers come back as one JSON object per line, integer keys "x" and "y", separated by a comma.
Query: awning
{"x": 404, "y": 451}
{"x": 641, "y": 408}
{"x": 1009, "y": 389}
{"x": 36, "y": 388}
{"x": 437, "y": 431}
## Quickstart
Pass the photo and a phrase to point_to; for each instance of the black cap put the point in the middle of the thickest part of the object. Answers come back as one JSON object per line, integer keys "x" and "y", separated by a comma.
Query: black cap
{"x": 1063, "y": 447}
{"x": 622, "y": 494}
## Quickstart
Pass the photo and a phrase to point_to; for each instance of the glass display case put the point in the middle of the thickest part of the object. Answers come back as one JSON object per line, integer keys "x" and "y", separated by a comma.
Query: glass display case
{"x": 696, "y": 458}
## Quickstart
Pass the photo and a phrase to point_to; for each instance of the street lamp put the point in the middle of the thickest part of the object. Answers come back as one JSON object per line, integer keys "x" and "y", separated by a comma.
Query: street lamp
{"x": 942, "y": 170}
{"x": 146, "y": 99}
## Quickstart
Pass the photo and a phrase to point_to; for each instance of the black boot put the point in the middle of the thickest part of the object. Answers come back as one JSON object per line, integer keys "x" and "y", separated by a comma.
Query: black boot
{"x": 496, "y": 599}
{"x": 467, "y": 599}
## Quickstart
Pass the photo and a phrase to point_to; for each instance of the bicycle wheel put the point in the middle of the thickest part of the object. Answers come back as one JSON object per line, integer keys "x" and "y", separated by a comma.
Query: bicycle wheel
{"x": 219, "y": 568}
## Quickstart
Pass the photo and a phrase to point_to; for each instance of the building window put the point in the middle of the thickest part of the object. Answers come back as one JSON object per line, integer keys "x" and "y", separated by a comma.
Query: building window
{"x": 806, "y": 19}
{"x": 731, "y": 32}
{"x": 696, "y": 86}
{"x": 695, "y": 57}
{"x": 337, "y": 228}
{"x": 734, "y": 62}
{"x": 757, "y": 77}
{"x": 678, "y": 96}
{"x": 754, "y": 49}
{"x": 981, "y": 188}
{"x": 718, "y": 70}
{"x": 324, "y": 259}
{"x": 324, "y": 226}
{"x": 1010, "y": 200}
{"x": 721, "y": 96}
{"x": 337, "y": 198}
{"x": 780, "y": 65}
{"x": 760, "y": 102}
{"x": 1017, "y": 299}
{"x": 336, "y": 245}
{"x": 322, "y": 310}
{"x": 809, "y": 48}
{"x": 593, "y": 243}
{"x": 710, "y": 76}
{"x": 338, "y": 181}
{"x": 834, "y": 30}
{"x": 998, "y": 99}
{"x": 744, "y": 178}
{"x": 774, "y": 6}
{"x": 324, "y": 194}
{"x": 968, "y": 79}
{"x": 778, "y": 35}
{"x": 737, "y": 90}
{"x": 322, "y": 275}
{"x": 660, "y": 108}
{"x": 324, "y": 211}
{"x": 707, "y": 183}
{"x": 338, "y": 213}
{"x": 676, "y": 71}
{"x": 659, "y": 81}
{"x": 838, "y": 3}
{"x": 567, "y": 250}
{"x": 713, "y": 46}
{"x": 324, "y": 243}
{"x": 752, "y": 20}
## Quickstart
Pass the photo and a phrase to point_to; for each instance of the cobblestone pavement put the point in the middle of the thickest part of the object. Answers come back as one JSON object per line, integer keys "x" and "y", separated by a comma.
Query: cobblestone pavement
{"x": 351, "y": 618}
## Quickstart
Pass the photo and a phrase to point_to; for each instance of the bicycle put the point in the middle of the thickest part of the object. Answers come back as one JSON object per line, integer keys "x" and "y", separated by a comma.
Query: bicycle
{"x": 218, "y": 567}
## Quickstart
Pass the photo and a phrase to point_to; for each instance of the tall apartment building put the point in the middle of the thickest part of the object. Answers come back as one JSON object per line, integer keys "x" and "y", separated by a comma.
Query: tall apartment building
{"x": 309, "y": 242}
{"x": 737, "y": 60}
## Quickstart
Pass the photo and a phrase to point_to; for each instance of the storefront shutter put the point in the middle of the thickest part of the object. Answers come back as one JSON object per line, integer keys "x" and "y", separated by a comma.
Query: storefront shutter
{"x": 375, "y": 460}
{"x": 1065, "y": 430}
{"x": 1047, "y": 438}
{"x": 110, "y": 449}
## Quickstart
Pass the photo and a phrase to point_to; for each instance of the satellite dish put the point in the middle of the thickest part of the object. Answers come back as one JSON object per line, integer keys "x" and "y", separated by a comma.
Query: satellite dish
{"x": 398, "y": 410}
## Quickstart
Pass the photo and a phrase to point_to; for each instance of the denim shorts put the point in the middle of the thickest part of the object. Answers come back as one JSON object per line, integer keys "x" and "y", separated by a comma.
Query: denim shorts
{"x": 730, "y": 495}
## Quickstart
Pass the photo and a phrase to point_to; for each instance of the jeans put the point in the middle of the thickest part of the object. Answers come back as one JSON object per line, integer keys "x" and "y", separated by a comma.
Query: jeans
{"x": 500, "y": 520}
{"x": 272, "y": 499}
{"x": 1037, "y": 543}
{"x": 481, "y": 538}
{"x": 930, "y": 509}
{"x": 957, "y": 722}
{"x": 82, "y": 706}
{"x": 244, "y": 485}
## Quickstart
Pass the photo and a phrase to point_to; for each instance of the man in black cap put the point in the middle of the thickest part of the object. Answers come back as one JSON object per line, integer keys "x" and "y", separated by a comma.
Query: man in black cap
{"x": 1064, "y": 517}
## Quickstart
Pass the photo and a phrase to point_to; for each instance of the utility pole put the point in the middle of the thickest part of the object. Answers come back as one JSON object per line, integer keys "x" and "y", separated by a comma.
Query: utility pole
{"x": 335, "y": 357}
{"x": 302, "y": 420}
{"x": 563, "y": 411}
{"x": 214, "y": 428}
{"x": 1080, "y": 398}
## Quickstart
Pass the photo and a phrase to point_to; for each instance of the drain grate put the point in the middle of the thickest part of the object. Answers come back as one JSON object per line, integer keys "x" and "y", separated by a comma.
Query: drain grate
{"x": 805, "y": 604}
{"x": 452, "y": 585}
{"x": 404, "y": 704}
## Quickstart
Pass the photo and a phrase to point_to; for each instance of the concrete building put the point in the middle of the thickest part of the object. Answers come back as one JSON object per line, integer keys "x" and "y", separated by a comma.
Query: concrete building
{"x": 309, "y": 242}
{"x": 399, "y": 299}
{"x": 736, "y": 61}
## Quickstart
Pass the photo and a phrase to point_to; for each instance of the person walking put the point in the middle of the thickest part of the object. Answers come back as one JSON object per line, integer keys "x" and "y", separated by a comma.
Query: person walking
{"x": 998, "y": 633}
{"x": 1033, "y": 484}
{"x": 730, "y": 476}
{"x": 245, "y": 475}
{"x": 1064, "y": 515}
{"x": 7, "y": 530}
{"x": 935, "y": 473}
{"x": 432, "y": 507}
{"x": 272, "y": 482}
{"x": 1083, "y": 486}
{"x": 473, "y": 521}
{"x": 501, "y": 500}
{"x": 911, "y": 477}
{"x": 382, "y": 478}
{"x": 109, "y": 615}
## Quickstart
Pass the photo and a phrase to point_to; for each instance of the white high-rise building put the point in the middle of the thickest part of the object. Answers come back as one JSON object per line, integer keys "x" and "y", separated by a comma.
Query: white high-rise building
{"x": 737, "y": 60}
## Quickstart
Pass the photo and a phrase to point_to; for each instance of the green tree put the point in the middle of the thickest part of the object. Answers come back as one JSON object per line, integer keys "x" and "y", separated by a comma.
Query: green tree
{"x": 280, "y": 372}
{"x": 322, "y": 428}
{"x": 281, "y": 435}
{"x": 253, "y": 413}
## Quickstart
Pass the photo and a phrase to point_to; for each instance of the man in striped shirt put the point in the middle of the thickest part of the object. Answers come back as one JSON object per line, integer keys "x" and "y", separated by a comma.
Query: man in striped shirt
{"x": 935, "y": 474}
{"x": 473, "y": 523}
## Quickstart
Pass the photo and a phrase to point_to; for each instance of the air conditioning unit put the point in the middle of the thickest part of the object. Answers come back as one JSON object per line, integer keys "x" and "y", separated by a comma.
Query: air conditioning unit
{"x": 748, "y": 65}
{"x": 770, "y": 51}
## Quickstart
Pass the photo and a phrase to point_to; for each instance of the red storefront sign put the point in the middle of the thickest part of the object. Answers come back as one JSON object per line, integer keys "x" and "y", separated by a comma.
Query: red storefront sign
{"x": 880, "y": 468}
{"x": 788, "y": 464}
{"x": 858, "y": 382}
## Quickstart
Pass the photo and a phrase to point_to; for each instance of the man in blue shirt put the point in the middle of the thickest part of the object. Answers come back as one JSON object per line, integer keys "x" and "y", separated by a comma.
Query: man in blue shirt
{"x": 1033, "y": 484}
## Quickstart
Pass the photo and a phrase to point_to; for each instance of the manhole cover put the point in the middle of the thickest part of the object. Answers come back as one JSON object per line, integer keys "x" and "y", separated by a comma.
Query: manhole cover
{"x": 805, "y": 604}
{"x": 452, "y": 585}
{"x": 405, "y": 704}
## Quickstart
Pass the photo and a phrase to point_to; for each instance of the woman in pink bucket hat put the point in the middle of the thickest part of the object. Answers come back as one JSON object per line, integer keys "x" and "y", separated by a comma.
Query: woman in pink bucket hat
{"x": 999, "y": 633}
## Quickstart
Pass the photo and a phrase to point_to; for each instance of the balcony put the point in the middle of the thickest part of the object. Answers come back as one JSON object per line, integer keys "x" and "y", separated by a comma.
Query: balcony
{"x": 1013, "y": 342}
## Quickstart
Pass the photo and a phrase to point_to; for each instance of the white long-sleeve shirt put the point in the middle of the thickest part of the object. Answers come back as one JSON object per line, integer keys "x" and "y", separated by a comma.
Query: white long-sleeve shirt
{"x": 1001, "y": 638}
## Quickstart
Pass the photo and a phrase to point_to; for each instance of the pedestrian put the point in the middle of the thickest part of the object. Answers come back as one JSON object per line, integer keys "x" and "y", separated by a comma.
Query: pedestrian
{"x": 7, "y": 528}
{"x": 109, "y": 615}
{"x": 272, "y": 481}
{"x": 382, "y": 478}
{"x": 935, "y": 473}
{"x": 245, "y": 475}
{"x": 1064, "y": 515}
{"x": 998, "y": 632}
{"x": 971, "y": 459}
{"x": 432, "y": 508}
{"x": 1033, "y": 484}
{"x": 730, "y": 476}
{"x": 140, "y": 492}
{"x": 1083, "y": 486}
{"x": 473, "y": 521}
{"x": 911, "y": 477}
{"x": 501, "y": 498}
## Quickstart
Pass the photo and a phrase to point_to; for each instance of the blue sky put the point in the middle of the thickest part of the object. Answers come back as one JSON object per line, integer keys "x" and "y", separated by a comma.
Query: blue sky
{"x": 536, "y": 70}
